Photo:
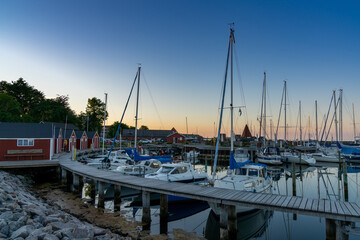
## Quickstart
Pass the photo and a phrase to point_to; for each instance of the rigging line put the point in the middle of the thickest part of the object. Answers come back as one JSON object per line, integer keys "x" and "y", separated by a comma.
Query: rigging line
{"x": 152, "y": 99}
{"x": 199, "y": 224}
{"x": 327, "y": 116}
{"x": 332, "y": 188}
{"x": 241, "y": 84}
{"x": 281, "y": 103}
{"x": 122, "y": 117}
{"x": 327, "y": 192}
{"x": 332, "y": 120}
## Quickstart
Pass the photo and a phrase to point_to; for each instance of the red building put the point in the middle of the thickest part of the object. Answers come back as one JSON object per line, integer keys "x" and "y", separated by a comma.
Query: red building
{"x": 175, "y": 138}
{"x": 81, "y": 140}
{"x": 26, "y": 141}
{"x": 93, "y": 140}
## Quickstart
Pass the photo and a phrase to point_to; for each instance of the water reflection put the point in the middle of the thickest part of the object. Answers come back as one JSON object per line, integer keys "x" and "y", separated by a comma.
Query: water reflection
{"x": 250, "y": 225}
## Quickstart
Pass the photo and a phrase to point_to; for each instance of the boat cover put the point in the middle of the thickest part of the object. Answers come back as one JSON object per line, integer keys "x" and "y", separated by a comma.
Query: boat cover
{"x": 137, "y": 157}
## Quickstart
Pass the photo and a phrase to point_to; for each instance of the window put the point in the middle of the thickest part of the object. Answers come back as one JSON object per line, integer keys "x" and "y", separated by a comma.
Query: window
{"x": 25, "y": 142}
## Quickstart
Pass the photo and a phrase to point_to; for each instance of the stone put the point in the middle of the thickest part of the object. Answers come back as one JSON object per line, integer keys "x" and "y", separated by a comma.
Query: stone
{"x": 50, "y": 237}
{"x": 67, "y": 233}
{"x": 83, "y": 232}
{"x": 49, "y": 219}
{"x": 22, "y": 232}
{"x": 7, "y": 216}
{"x": 58, "y": 234}
{"x": 60, "y": 225}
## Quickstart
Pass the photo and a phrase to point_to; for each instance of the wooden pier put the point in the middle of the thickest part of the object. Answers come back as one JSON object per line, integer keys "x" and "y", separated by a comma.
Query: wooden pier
{"x": 28, "y": 164}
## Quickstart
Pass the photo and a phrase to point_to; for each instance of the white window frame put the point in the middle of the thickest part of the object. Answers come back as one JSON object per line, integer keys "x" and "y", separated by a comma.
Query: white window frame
{"x": 29, "y": 142}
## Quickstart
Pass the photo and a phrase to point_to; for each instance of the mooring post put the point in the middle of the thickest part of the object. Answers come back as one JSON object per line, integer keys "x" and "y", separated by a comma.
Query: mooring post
{"x": 146, "y": 217}
{"x": 117, "y": 197}
{"x": 81, "y": 185}
{"x": 101, "y": 192}
{"x": 252, "y": 155}
{"x": 346, "y": 189}
{"x": 63, "y": 176}
{"x": 164, "y": 213}
{"x": 223, "y": 221}
{"x": 330, "y": 229}
{"x": 293, "y": 184}
{"x": 58, "y": 174}
{"x": 76, "y": 183}
{"x": 92, "y": 191}
{"x": 69, "y": 182}
{"x": 232, "y": 222}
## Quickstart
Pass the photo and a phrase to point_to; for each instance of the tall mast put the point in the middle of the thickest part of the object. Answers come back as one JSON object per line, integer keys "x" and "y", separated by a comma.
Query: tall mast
{"x": 104, "y": 124}
{"x": 300, "y": 122}
{"x": 285, "y": 109}
{"x": 137, "y": 106}
{"x": 264, "y": 108}
{"x": 340, "y": 116}
{"x": 336, "y": 123}
{"x": 309, "y": 126}
{"x": 354, "y": 122}
{"x": 232, "y": 40}
{"x": 316, "y": 117}
{"x": 187, "y": 132}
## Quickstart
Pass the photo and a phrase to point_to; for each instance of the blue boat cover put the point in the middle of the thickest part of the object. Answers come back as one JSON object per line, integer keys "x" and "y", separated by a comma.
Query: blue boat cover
{"x": 137, "y": 157}
{"x": 348, "y": 150}
{"x": 234, "y": 164}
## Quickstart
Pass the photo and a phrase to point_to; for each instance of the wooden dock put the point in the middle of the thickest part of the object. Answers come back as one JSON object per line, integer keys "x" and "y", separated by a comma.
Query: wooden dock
{"x": 343, "y": 211}
{"x": 28, "y": 164}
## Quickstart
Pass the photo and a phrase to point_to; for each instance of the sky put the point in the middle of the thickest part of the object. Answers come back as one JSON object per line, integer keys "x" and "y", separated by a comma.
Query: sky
{"x": 84, "y": 49}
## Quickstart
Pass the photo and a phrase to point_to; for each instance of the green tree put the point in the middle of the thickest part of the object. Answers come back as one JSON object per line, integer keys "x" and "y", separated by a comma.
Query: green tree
{"x": 27, "y": 96}
{"x": 95, "y": 112}
{"x": 143, "y": 127}
{"x": 10, "y": 110}
{"x": 112, "y": 130}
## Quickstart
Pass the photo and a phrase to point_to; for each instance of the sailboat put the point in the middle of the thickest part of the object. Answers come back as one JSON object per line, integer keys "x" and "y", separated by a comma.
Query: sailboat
{"x": 241, "y": 175}
{"x": 267, "y": 155}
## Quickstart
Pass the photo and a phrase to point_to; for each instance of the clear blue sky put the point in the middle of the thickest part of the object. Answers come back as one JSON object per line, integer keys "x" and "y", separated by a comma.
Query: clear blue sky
{"x": 85, "y": 48}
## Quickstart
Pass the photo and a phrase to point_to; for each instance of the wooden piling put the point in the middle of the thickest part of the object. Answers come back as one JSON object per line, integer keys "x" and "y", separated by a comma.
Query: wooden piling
{"x": 164, "y": 213}
{"x": 232, "y": 222}
{"x": 117, "y": 197}
{"x": 223, "y": 222}
{"x": 101, "y": 192}
{"x": 63, "y": 176}
{"x": 146, "y": 216}
{"x": 92, "y": 191}
{"x": 346, "y": 188}
{"x": 76, "y": 185}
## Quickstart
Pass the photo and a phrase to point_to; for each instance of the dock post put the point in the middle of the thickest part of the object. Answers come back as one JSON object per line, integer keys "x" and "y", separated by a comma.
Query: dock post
{"x": 92, "y": 191}
{"x": 58, "y": 174}
{"x": 117, "y": 197}
{"x": 232, "y": 222}
{"x": 346, "y": 190}
{"x": 330, "y": 229}
{"x": 223, "y": 222}
{"x": 81, "y": 185}
{"x": 76, "y": 185}
{"x": 164, "y": 213}
{"x": 101, "y": 198}
{"x": 206, "y": 164}
{"x": 252, "y": 155}
{"x": 293, "y": 184}
{"x": 69, "y": 182}
{"x": 63, "y": 176}
{"x": 146, "y": 217}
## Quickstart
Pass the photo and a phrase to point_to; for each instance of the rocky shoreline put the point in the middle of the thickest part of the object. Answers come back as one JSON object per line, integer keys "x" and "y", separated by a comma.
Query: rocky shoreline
{"x": 24, "y": 216}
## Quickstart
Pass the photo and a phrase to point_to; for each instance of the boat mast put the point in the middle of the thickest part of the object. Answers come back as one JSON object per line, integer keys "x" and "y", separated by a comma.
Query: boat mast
{"x": 264, "y": 92}
{"x": 316, "y": 117}
{"x": 300, "y": 122}
{"x": 309, "y": 126}
{"x": 335, "y": 114}
{"x": 104, "y": 124}
{"x": 137, "y": 106}
{"x": 232, "y": 40}
{"x": 285, "y": 109}
{"x": 354, "y": 122}
{"x": 340, "y": 116}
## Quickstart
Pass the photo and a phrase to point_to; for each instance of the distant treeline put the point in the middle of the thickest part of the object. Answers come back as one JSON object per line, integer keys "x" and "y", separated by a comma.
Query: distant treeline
{"x": 20, "y": 102}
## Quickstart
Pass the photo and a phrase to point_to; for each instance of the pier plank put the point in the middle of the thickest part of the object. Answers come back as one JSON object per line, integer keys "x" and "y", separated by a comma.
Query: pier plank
{"x": 281, "y": 200}
{"x": 286, "y": 202}
{"x": 266, "y": 198}
{"x": 315, "y": 205}
{"x": 345, "y": 209}
{"x": 356, "y": 207}
{"x": 255, "y": 199}
{"x": 333, "y": 207}
{"x": 327, "y": 206}
{"x": 269, "y": 200}
{"x": 351, "y": 209}
{"x": 321, "y": 205}
{"x": 275, "y": 200}
{"x": 292, "y": 202}
{"x": 308, "y": 204}
{"x": 339, "y": 208}
{"x": 297, "y": 203}
{"x": 303, "y": 203}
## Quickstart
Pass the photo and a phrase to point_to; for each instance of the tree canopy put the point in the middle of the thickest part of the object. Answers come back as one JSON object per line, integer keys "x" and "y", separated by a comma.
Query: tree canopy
{"x": 112, "y": 130}
{"x": 95, "y": 112}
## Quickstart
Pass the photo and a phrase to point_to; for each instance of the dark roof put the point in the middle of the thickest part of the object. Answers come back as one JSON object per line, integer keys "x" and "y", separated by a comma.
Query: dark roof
{"x": 246, "y": 133}
{"x": 146, "y": 133}
{"x": 25, "y": 130}
{"x": 90, "y": 134}
{"x": 79, "y": 133}
{"x": 62, "y": 125}
{"x": 67, "y": 133}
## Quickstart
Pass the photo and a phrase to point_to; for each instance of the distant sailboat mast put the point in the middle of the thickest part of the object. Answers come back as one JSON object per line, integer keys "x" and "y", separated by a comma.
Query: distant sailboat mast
{"x": 104, "y": 124}
{"x": 137, "y": 107}
{"x": 232, "y": 40}
{"x": 354, "y": 122}
{"x": 264, "y": 92}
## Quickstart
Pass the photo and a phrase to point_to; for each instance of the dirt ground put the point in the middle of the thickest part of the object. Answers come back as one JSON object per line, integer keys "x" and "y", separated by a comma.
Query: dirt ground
{"x": 115, "y": 222}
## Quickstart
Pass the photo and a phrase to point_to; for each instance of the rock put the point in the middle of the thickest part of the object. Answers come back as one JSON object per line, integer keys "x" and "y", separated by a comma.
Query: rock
{"x": 58, "y": 234}
{"x": 5, "y": 230}
{"x": 3, "y": 235}
{"x": 83, "y": 232}
{"x": 67, "y": 233}
{"x": 61, "y": 225}
{"x": 18, "y": 238}
{"x": 22, "y": 232}
{"x": 7, "y": 216}
{"x": 49, "y": 219}
{"x": 100, "y": 231}
{"x": 50, "y": 237}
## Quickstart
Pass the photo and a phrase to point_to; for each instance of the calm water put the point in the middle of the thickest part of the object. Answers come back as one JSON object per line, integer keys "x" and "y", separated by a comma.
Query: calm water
{"x": 320, "y": 182}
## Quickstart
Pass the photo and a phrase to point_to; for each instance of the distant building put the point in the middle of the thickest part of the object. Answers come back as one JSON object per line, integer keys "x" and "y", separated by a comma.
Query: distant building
{"x": 175, "y": 138}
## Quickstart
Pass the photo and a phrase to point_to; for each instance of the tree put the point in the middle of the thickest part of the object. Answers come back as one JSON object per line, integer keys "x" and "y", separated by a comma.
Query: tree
{"x": 143, "y": 127}
{"x": 27, "y": 96}
{"x": 95, "y": 111}
{"x": 112, "y": 130}
{"x": 10, "y": 110}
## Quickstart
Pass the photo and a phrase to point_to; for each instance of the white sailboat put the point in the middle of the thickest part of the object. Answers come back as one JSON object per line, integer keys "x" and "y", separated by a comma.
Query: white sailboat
{"x": 244, "y": 175}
